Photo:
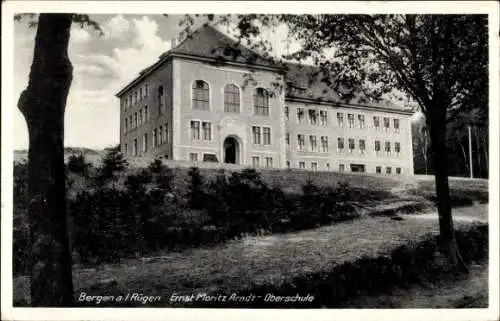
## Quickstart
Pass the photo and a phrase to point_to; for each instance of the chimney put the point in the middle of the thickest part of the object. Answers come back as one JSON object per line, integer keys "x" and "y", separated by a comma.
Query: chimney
{"x": 173, "y": 42}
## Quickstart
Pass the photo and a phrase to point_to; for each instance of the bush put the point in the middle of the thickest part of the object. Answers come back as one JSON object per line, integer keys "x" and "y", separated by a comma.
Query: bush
{"x": 196, "y": 194}
{"x": 162, "y": 175}
{"x": 112, "y": 163}
{"x": 78, "y": 165}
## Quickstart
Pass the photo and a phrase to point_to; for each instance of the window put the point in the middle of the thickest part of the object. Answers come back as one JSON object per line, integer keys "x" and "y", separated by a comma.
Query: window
{"x": 193, "y": 157}
{"x": 146, "y": 115}
{"x": 313, "y": 116}
{"x": 126, "y": 149}
{"x": 166, "y": 136}
{"x": 323, "y": 117}
{"x": 312, "y": 142}
{"x": 126, "y": 125}
{"x": 140, "y": 94}
{"x": 130, "y": 122}
{"x": 376, "y": 122}
{"x": 396, "y": 126}
{"x": 269, "y": 162}
{"x": 340, "y": 143}
{"x": 351, "y": 144}
{"x": 201, "y": 95}
{"x": 287, "y": 164}
{"x": 300, "y": 115}
{"x": 135, "y": 97}
{"x": 314, "y": 166}
{"x": 328, "y": 166}
{"x": 287, "y": 139}
{"x": 145, "y": 90}
{"x": 160, "y": 100}
{"x": 387, "y": 148}
{"x": 341, "y": 167}
{"x": 301, "y": 141}
{"x": 140, "y": 117}
{"x": 398, "y": 170}
{"x": 256, "y": 135}
{"x": 160, "y": 135}
{"x": 211, "y": 158}
{"x": 378, "y": 169}
{"x": 130, "y": 99}
{"x": 350, "y": 119}
{"x": 155, "y": 137}
{"x": 362, "y": 146}
{"x": 361, "y": 120}
{"x": 266, "y": 131}
{"x": 134, "y": 147}
{"x": 135, "y": 120}
{"x": 287, "y": 113}
{"x": 340, "y": 119}
{"x": 261, "y": 102}
{"x": 195, "y": 130}
{"x": 387, "y": 124}
{"x": 231, "y": 99}
{"x": 302, "y": 165}
{"x": 324, "y": 144}
{"x": 145, "y": 143}
{"x": 388, "y": 170}
{"x": 377, "y": 146}
{"x": 207, "y": 130}
{"x": 255, "y": 161}
{"x": 397, "y": 148}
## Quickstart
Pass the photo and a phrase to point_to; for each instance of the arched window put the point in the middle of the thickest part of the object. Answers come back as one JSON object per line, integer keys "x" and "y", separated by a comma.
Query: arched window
{"x": 201, "y": 95}
{"x": 160, "y": 100}
{"x": 261, "y": 102}
{"x": 231, "y": 98}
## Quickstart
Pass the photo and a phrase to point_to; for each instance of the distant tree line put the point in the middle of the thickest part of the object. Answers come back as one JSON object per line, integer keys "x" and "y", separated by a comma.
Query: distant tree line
{"x": 458, "y": 147}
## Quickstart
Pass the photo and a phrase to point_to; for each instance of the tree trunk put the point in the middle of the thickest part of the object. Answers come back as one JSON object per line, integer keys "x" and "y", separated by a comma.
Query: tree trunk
{"x": 43, "y": 104}
{"x": 437, "y": 128}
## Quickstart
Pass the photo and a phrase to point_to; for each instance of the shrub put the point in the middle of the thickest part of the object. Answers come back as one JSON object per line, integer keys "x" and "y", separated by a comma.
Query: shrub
{"x": 196, "y": 194}
{"x": 77, "y": 164}
{"x": 112, "y": 163}
{"x": 162, "y": 175}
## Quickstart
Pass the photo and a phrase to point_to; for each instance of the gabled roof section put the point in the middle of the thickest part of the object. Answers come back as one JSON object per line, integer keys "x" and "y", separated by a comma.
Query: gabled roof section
{"x": 208, "y": 42}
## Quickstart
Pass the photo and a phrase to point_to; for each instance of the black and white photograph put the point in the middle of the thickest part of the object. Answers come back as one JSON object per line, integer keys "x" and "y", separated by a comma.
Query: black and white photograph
{"x": 226, "y": 160}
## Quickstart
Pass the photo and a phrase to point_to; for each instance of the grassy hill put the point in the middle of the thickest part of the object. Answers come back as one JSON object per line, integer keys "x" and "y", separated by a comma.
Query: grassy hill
{"x": 92, "y": 155}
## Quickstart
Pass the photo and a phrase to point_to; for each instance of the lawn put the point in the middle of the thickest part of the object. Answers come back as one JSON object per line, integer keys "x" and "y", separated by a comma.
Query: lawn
{"x": 254, "y": 261}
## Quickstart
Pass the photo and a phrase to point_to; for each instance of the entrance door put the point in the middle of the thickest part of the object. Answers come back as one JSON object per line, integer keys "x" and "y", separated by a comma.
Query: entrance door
{"x": 231, "y": 150}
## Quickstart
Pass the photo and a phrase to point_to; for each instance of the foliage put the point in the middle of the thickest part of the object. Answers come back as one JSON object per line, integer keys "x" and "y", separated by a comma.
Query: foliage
{"x": 196, "y": 193}
{"x": 162, "y": 175}
{"x": 77, "y": 164}
{"x": 112, "y": 163}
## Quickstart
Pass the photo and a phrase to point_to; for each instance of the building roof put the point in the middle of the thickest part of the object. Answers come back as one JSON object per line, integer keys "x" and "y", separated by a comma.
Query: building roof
{"x": 304, "y": 82}
{"x": 208, "y": 42}
{"x": 311, "y": 83}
